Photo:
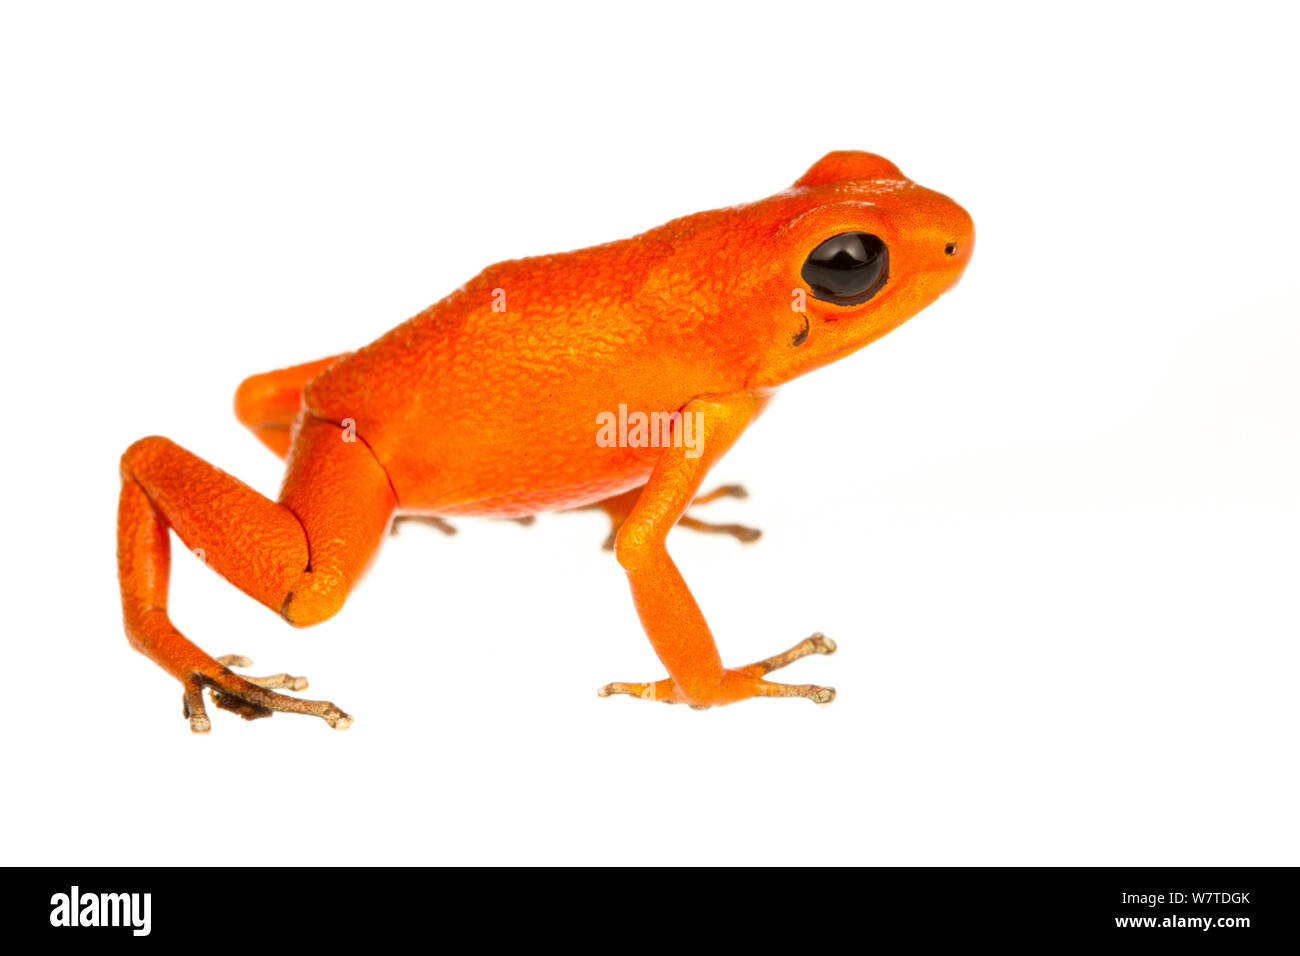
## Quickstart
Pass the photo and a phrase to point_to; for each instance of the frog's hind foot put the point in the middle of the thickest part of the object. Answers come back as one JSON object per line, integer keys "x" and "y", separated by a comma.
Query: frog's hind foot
{"x": 445, "y": 526}
{"x": 433, "y": 521}
{"x": 252, "y": 697}
{"x": 741, "y": 683}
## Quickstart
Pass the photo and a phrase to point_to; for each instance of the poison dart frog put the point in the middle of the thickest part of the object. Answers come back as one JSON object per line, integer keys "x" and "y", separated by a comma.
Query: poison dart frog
{"x": 614, "y": 377}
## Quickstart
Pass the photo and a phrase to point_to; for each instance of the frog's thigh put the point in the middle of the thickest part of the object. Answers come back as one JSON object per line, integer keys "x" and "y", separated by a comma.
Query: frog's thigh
{"x": 268, "y": 404}
{"x": 339, "y": 491}
{"x": 298, "y": 556}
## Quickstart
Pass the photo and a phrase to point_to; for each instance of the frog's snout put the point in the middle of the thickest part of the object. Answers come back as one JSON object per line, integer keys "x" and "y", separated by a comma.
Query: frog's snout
{"x": 957, "y": 247}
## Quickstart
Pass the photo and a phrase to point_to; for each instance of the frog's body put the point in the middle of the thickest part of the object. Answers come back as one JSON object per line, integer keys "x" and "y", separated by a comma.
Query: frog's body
{"x": 488, "y": 403}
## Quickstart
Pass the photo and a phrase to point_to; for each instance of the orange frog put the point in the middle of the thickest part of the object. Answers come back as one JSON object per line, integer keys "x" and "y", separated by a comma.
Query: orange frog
{"x": 614, "y": 376}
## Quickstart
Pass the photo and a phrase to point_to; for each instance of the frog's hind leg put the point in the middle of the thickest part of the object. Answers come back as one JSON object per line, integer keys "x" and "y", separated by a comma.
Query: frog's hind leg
{"x": 300, "y": 555}
{"x": 620, "y": 506}
{"x": 269, "y": 403}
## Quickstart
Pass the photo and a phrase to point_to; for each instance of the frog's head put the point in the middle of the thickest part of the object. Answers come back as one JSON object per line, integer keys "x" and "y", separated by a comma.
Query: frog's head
{"x": 854, "y": 249}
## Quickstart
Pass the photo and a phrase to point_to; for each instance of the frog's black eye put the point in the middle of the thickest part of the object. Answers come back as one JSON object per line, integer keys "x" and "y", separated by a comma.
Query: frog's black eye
{"x": 847, "y": 269}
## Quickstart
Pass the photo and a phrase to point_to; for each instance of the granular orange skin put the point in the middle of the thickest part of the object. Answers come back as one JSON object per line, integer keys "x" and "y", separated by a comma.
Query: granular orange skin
{"x": 487, "y": 403}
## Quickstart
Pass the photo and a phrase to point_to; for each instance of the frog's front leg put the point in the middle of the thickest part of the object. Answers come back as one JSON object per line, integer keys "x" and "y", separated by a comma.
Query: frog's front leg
{"x": 619, "y": 507}
{"x": 299, "y": 556}
{"x": 671, "y": 618}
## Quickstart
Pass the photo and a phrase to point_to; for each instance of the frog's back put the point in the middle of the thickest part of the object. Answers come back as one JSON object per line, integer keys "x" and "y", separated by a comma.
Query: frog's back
{"x": 488, "y": 401}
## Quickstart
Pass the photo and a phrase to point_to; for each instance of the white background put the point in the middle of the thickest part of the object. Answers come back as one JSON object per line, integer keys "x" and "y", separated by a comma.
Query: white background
{"x": 1052, "y": 522}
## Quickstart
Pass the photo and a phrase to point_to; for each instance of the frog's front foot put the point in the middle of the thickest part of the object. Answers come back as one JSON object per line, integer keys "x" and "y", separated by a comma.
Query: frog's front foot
{"x": 618, "y": 509}
{"x": 739, "y": 683}
{"x": 251, "y": 697}
{"x": 740, "y": 532}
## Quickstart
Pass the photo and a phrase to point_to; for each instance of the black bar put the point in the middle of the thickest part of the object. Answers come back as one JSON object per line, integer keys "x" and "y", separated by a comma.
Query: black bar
{"x": 1231, "y": 907}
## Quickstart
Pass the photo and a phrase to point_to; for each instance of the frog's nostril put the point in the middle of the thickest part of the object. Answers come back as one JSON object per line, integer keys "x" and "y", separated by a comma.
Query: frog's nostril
{"x": 950, "y": 249}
